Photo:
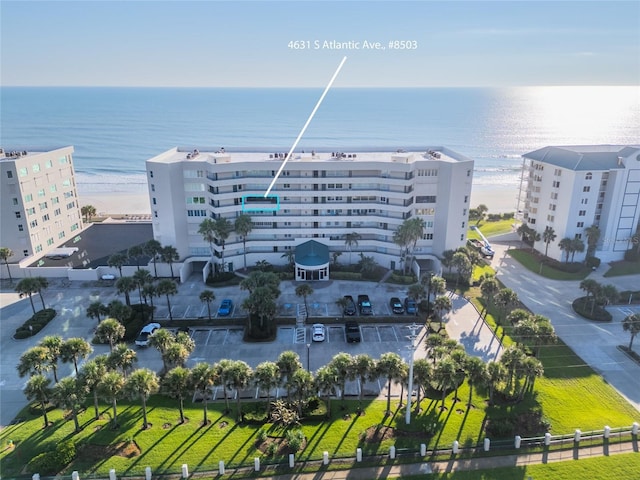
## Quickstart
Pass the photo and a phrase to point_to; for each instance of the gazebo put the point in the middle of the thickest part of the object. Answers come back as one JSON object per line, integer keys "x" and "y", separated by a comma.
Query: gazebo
{"x": 312, "y": 261}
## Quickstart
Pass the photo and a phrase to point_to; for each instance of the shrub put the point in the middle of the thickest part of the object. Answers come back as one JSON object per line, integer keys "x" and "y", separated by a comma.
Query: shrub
{"x": 38, "y": 321}
{"x": 346, "y": 276}
{"x": 632, "y": 255}
{"x": 402, "y": 279}
{"x": 593, "y": 262}
{"x": 262, "y": 435}
{"x": 272, "y": 449}
{"x": 294, "y": 439}
{"x": 53, "y": 461}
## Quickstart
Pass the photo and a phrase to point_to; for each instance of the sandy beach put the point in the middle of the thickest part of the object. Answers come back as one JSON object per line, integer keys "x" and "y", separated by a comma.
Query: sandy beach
{"x": 498, "y": 199}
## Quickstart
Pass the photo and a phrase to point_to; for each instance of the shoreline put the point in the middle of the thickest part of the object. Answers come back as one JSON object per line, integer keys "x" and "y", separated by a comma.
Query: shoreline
{"x": 498, "y": 198}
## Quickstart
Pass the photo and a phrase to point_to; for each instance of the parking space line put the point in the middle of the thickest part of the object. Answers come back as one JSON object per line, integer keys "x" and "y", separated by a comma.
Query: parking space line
{"x": 395, "y": 334}
{"x": 209, "y": 335}
{"x": 186, "y": 311}
{"x": 378, "y": 332}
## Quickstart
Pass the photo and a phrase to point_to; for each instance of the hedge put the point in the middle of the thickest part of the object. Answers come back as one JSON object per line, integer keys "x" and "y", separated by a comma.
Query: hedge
{"x": 37, "y": 322}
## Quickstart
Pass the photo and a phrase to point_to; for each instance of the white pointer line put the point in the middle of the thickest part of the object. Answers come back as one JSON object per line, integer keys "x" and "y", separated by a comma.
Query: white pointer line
{"x": 295, "y": 144}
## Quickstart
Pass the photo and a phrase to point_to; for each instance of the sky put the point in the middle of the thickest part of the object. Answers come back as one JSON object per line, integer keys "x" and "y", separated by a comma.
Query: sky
{"x": 251, "y": 44}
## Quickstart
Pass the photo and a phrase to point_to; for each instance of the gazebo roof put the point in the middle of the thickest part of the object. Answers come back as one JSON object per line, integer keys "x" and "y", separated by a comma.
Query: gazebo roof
{"x": 312, "y": 254}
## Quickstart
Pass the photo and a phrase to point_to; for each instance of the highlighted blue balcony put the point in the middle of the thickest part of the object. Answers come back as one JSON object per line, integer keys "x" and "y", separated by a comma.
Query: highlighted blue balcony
{"x": 260, "y": 203}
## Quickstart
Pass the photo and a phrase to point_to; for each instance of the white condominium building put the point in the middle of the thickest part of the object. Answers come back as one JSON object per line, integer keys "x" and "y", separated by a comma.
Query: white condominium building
{"x": 572, "y": 188}
{"x": 318, "y": 199}
{"x": 39, "y": 207}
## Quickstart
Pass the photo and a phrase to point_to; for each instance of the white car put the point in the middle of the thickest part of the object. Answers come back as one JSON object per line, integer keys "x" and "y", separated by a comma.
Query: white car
{"x": 143, "y": 337}
{"x": 318, "y": 332}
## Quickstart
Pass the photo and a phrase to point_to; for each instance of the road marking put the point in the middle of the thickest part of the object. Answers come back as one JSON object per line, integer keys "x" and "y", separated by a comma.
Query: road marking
{"x": 295, "y": 144}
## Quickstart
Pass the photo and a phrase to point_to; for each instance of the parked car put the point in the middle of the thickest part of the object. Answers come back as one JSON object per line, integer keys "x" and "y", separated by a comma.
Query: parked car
{"x": 364, "y": 304}
{"x": 410, "y": 306}
{"x": 352, "y": 331}
{"x": 318, "y": 332}
{"x": 226, "y": 307}
{"x": 350, "y": 307}
{"x": 396, "y": 305}
{"x": 142, "y": 340}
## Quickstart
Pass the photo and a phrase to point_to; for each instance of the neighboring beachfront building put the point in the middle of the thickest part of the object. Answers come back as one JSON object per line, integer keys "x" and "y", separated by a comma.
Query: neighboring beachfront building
{"x": 324, "y": 197}
{"x": 39, "y": 202}
{"x": 571, "y": 188}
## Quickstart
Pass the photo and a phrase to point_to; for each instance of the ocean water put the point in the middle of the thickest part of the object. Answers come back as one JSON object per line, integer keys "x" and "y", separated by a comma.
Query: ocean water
{"x": 114, "y": 130}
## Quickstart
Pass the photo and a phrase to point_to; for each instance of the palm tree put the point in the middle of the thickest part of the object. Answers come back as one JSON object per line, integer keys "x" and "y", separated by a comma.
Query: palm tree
{"x": 505, "y": 299}
{"x": 239, "y": 374}
{"x": 53, "y": 345}
{"x": 548, "y": 236}
{"x": 34, "y": 361}
{"x": 364, "y": 368}
{"x": 401, "y": 237}
{"x": 593, "y": 236}
{"x": 496, "y": 374}
{"x": 201, "y": 378}
{"x": 223, "y": 378}
{"x": 222, "y": 229}
{"x": 176, "y": 384}
{"x": 95, "y": 309}
{"x": 41, "y": 284}
{"x": 442, "y": 305}
{"x": 389, "y": 366}
{"x": 267, "y": 377}
{"x": 261, "y": 279}
{"x": 545, "y": 333}
{"x": 28, "y": 286}
{"x": 304, "y": 291}
{"x": 261, "y": 303}
{"x": 91, "y": 375}
{"x": 303, "y": 387}
{"x": 482, "y": 210}
{"x": 422, "y": 373}
{"x": 447, "y": 259}
{"x": 532, "y": 368}
{"x": 141, "y": 277}
{"x": 342, "y": 303}
{"x": 153, "y": 248}
{"x": 609, "y": 293}
{"x": 74, "y": 349}
{"x": 122, "y": 357}
{"x": 342, "y": 365}
{"x": 126, "y": 285}
{"x": 149, "y": 291}
{"x": 110, "y": 388}
{"x": 289, "y": 255}
{"x": 118, "y": 310}
{"x": 417, "y": 292}
{"x": 566, "y": 246}
{"x": 117, "y": 260}
{"x": 162, "y": 339}
{"x": 512, "y": 359}
{"x": 334, "y": 258}
{"x": 169, "y": 255}
{"x": 167, "y": 288}
{"x": 592, "y": 289}
{"x": 631, "y": 324}
{"x": 518, "y": 315}
{"x": 207, "y": 296}
{"x": 141, "y": 384}
{"x": 87, "y": 212}
{"x": 367, "y": 264}
{"x": 476, "y": 374}
{"x": 445, "y": 373}
{"x": 462, "y": 264}
{"x": 577, "y": 245}
{"x": 5, "y": 254}
{"x": 326, "y": 381}
{"x": 288, "y": 362}
{"x": 415, "y": 231}
{"x": 243, "y": 226}
{"x": 208, "y": 232}
{"x": 69, "y": 393}
{"x": 37, "y": 388}
{"x": 135, "y": 253}
{"x": 524, "y": 232}
{"x": 489, "y": 288}
{"x": 177, "y": 353}
{"x": 110, "y": 330}
{"x": 351, "y": 240}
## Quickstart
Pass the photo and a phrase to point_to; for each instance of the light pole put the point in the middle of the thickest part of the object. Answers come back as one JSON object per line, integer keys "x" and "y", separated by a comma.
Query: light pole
{"x": 308, "y": 357}
{"x": 412, "y": 348}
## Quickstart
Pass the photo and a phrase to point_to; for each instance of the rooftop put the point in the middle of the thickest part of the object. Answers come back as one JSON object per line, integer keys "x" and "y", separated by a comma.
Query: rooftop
{"x": 586, "y": 157}
{"x": 221, "y": 155}
{"x": 15, "y": 154}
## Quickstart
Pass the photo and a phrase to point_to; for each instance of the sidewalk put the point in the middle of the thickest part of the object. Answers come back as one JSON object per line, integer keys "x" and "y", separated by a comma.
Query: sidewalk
{"x": 453, "y": 465}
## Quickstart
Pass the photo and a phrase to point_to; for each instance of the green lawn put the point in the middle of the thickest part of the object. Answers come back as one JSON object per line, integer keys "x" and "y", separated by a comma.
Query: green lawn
{"x": 623, "y": 268}
{"x": 491, "y": 229}
{"x": 531, "y": 262}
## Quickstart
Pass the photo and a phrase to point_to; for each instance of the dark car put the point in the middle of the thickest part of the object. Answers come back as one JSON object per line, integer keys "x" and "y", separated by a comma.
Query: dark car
{"x": 352, "y": 331}
{"x": 225, "y": 308}
{"x": 410, "y": 306}
{"x": 350, "y": 306}
{"x": 396, "y": 305}
{"x": 364, "y": 304}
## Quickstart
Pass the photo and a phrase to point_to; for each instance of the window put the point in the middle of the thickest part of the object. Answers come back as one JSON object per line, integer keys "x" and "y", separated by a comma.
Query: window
{"x": 57, "y": 212}
{"x": 50, "y": 241}
{"x": 62, "y": 160}
{"x": 33, "y": 223}
{"x": 466, "y": 198}
{"x": 49, "y": 164}
{"x": 462, "y": 224}
{"x": 462, "y": 237}
{"x": 552, "y": 207}
{"x": 154, "y": 200}
{"x": 588, "y": 176}
{"x": 580, "y": 224}
{"x": 53, "y": 189}
{"x": 468, "y": 173}
{"x": 196, "y": 213}
{"x": 38, "y": 248}
{"x": 61, "y": 234}
{"x": 43, "y": 206}
{"x": 45, "y": 217}
{"x": 23, "y": 173}
{"x": 66, "y": 183}
{"x": 554, "y": 196}
{"x": 18, "y": 215}
{"x": 464, "y": 211}
{"x": 70, "y": 205}
{"x": 155, "y": 213}
{"x": 584, "y": 201}
{"x": 153, "y": 187}
{"x": 550, "y": 218}
{"x": 9, "y": 174}
{"x": 556, "y": 184}
{"x": 41, "y": 192}
{"x": 15, "y": 201}
{"x": 31, "y": 211}
{"x": 557, "y": 172}
{"x": 286, "y": 185}
{"x": 74, "y": 227}
{"x": 426, "y": 199}
{"x": 582, "y": 213}
{"x": 578, "y": 236}
{"x": 36, "y": 167}
{"x": 428, "y": 236}
{"x": 151, "y": 173}
{"x": 586, "y": 189}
